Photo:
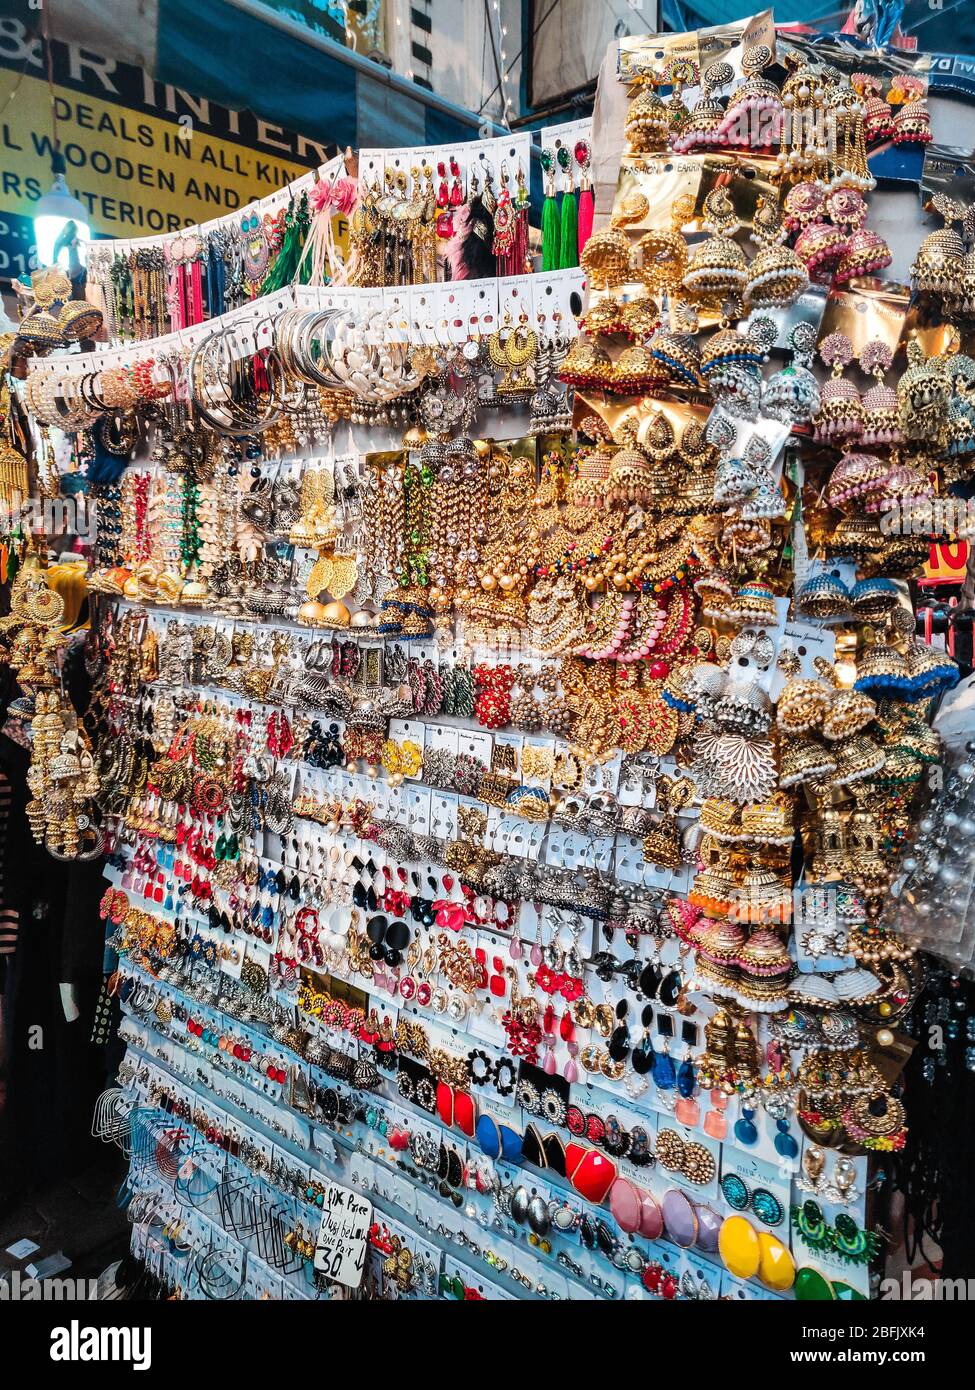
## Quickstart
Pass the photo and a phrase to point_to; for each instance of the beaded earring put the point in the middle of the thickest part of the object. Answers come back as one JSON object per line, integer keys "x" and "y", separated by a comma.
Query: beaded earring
{"x": 879, "y": 401}
{"x": 676, "y": 352}
{"x": 679, "y": 74}
{"x": 662, "y": 843}
{"x": 866, "y": 251}
{"x": 840, "y": 413}
{"x": 804, "y": 204}
{"x": 702, "y": 129}
{"x": 735, "y": 478}
{"x": 912, "y": 124}
{"x": 821, "y": 247}
{"x": 635, "y": 477}
{"x": 855, "y": 478}
{"x": 939, "y": 263}
{"x": 923, "y": 393}
{"x": 647, "y": 123}
{"x": 662, "y": 254}
{"x": 699, "y": 459}
{"x": 731, "y": 363}
{"x": 766, "y": 501}
{"x": 803, "y": 153}
{"x": 877, "y": 116}
{"x": 716, "y": 268}
{"x": 754, "y": 115}
{"x": 777, "y": 276}
{"x": 792, "y": 394}
{"x": 606, "y": 259}
{"x": 961, "y": 407}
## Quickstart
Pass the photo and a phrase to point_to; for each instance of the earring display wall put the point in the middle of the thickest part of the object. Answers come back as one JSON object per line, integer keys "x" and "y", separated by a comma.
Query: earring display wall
{"x": 567, "y": 212}
{"x": 509, "y": 718}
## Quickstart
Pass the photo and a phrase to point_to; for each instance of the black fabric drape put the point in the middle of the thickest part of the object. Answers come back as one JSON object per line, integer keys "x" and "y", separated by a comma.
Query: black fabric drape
{"x": 934, "y": 1171}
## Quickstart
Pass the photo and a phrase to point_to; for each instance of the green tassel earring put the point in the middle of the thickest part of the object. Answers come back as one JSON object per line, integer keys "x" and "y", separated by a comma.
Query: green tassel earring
{"x": 551, "y": 235}
{"x": 285, "y": 269}
{"x": 569, "y": 231}
{"x": 569, "y": 239}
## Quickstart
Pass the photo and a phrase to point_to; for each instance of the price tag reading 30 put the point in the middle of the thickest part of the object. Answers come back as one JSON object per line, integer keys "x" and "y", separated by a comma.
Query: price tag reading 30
{"x": 340, "y": 1251}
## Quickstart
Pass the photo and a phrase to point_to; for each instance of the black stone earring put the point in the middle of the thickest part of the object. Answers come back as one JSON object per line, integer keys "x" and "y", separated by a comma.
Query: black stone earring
{"x": 618, "y": 1046}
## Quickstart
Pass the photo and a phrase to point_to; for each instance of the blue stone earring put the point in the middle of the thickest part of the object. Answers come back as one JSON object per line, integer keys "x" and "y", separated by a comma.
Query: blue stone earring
{"x": 664, "y": 1073}
{"x": 745, "y": 1131}
{"x": 785, "y": 1143}
{"x": 686, "y": 1080}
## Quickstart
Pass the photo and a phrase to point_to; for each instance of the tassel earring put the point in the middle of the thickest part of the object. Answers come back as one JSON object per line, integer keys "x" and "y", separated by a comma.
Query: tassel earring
{"x": 297, "y": 223}
{"x": 550, "y": 214}
{"x": 587, "y": 207}
{"x": 569, "y": 235}
{"x": 510, "y": 216}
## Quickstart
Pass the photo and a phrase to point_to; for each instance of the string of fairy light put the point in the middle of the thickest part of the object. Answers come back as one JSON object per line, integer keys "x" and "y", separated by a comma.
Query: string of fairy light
{"x": 501, "y": 65}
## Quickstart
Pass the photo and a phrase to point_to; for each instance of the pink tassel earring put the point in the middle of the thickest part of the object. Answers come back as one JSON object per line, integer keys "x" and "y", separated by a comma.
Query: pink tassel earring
{"x": 587, "y": 209}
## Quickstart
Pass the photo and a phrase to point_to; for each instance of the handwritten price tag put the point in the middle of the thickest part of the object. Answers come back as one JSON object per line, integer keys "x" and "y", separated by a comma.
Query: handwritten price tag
{"x": 340, "y": 1251}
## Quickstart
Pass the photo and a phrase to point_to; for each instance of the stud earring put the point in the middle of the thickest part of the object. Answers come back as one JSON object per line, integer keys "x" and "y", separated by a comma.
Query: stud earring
{"x": 760, "y": 1200}
{"x": 789, "y": 661}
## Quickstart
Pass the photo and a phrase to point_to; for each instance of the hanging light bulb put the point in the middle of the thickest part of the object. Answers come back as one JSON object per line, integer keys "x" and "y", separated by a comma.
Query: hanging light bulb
{"x": 61, "y": 227}
{"x": 60, "y": 222}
